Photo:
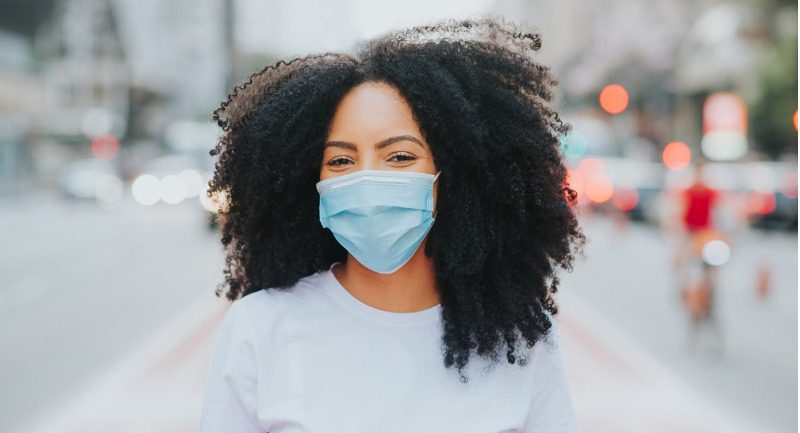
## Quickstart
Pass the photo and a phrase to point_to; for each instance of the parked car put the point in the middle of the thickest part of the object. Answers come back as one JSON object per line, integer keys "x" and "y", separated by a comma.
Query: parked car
{"x": 764, "y": 192}
{"x": 624, "y": 185}
{"x": 772, "y": 200}
{"x": 90, "y": 179}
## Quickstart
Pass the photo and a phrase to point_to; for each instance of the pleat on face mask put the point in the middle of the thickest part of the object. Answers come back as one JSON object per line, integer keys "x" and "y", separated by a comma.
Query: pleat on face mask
{"x": 378, "y": 216}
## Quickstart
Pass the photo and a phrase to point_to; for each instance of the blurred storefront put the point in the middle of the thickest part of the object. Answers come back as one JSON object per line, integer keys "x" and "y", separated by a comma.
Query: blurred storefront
{"x": 80, "y": 74}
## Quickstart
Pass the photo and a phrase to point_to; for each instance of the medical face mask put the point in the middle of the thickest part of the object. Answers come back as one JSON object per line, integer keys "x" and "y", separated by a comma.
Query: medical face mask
{"x": 378, "y": 216}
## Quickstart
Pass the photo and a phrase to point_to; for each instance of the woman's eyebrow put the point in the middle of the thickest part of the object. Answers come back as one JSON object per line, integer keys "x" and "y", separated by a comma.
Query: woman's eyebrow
{"x": 379, "y": 145}
{"x": 383, "y": 143}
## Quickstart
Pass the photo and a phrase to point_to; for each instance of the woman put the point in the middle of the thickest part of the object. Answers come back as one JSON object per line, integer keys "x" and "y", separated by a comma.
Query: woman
{"x": 394, "y": 222}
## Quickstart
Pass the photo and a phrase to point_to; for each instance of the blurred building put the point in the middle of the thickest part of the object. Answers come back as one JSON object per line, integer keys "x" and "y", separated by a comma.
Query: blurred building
{"x": 670, "y": 56}
{"x": 21, "y": 99}
{"x": 74, "y": 70}
{"x": 87, "y": 73}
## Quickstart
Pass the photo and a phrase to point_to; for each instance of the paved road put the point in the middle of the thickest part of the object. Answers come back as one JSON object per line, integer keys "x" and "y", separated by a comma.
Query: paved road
{"x": 626, "y": 278}
{"x": 617, "y": 387}
{"x": 102, "y": 316}
{"x": 83, "y": 287}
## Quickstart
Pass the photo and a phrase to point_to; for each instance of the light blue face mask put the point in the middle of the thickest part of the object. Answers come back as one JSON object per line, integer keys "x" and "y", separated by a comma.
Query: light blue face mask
{"x": 378, "y": 216}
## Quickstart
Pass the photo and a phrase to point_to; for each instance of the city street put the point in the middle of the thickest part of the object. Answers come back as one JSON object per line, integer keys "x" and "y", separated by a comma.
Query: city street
{"x": 108, "y": 318}
{"x": 680, "y": 116}
{"x": 626, "y": 278}
{"x": 84, "y": 287}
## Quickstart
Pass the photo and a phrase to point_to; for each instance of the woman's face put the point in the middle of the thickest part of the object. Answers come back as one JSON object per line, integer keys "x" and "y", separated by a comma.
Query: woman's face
{"x": 373, "y": 129}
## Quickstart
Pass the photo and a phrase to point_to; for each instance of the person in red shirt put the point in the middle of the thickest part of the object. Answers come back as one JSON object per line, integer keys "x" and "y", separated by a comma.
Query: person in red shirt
{"x": 698, "y": 202}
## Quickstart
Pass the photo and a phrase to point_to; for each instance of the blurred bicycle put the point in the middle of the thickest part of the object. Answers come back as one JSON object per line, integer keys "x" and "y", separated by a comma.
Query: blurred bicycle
{"x": 702, "y": 250}
{"x": 708, "y": 250}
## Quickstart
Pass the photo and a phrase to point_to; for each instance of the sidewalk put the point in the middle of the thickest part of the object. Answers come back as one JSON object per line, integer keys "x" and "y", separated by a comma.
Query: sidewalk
{"x": 617, "y": 388}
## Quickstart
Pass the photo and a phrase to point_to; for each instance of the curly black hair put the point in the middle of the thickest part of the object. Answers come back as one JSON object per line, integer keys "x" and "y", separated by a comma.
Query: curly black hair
{"x": 506, "y": 213}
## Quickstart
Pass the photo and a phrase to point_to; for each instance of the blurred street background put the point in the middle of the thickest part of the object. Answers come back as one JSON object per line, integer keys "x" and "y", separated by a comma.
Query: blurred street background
{"x": 111, "y": 252}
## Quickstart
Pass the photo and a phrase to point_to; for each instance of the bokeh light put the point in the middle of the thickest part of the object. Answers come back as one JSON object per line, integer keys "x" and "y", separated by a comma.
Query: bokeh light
{"x": 789, "y": 184}
{"x": 145, "y": 189}
{"x": 172, "y": 189}
{"x": 192, "y": 181}
{"x": 599, "y": 189}
{"x": 573, "y": 144}
{"x": 716, "y": 252}
{"x": 625, "y": 199}
{"x": 761, "y": 203}
{"x": 105, "y": 146}
{"x": 676, "y": 155}
{"x": 108, "y": 190}
{"x": 614, "y": 99}
{"x": 575, "y": 181}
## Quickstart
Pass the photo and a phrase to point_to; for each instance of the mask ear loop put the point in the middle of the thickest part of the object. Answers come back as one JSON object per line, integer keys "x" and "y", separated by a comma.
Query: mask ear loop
{"x": 436, "y": 211}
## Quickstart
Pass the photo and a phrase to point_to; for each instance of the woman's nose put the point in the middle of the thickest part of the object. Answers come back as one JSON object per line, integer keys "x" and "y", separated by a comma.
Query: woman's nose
{"x": 368, "y": 162}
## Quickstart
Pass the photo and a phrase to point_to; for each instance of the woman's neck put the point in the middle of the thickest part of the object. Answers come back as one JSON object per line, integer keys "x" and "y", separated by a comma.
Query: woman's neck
{"x": 409, "y": 289}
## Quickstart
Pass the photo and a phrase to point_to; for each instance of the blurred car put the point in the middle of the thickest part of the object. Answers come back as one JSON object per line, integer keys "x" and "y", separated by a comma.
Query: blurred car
{"x": 90, "y": 179}
{"x": 613, "y": 184}
{"x": 772, "y": 199}
{"x": 775, "y": 211}
{"x": 765, "y": 192}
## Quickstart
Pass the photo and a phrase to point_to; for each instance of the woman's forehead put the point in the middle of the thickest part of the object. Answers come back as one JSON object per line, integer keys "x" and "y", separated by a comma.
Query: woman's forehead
{"x": 372, "y": 109}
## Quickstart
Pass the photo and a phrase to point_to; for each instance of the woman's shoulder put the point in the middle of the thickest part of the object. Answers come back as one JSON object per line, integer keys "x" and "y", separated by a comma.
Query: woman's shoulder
{"x": 273, "y": 301}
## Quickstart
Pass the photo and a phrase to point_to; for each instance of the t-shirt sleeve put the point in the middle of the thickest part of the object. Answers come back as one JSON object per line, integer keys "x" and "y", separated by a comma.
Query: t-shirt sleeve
{"x": 551, "y": 409}
{"x": 229, "y": 401}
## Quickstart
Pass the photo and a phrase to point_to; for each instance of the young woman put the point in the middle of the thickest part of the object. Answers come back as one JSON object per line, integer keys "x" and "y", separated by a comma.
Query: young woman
{"x": 394, "y": 222}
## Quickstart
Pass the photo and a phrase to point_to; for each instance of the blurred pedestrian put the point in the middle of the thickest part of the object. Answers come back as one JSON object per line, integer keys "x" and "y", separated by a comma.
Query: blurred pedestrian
{"x": 695, "y": 261}
{"x": 395, "y": 222}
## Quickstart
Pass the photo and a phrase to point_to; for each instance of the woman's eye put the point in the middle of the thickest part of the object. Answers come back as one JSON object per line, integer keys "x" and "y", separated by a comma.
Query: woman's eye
{"x": 336, "y": 161}
{"x": 400, "y": 157}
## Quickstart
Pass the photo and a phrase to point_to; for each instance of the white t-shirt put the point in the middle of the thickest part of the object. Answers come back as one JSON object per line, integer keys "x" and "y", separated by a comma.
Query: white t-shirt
{"x": 316, "y": 359}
